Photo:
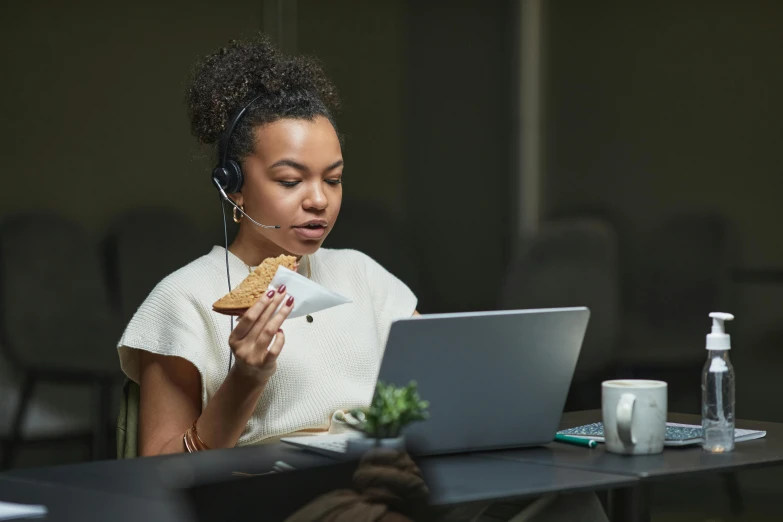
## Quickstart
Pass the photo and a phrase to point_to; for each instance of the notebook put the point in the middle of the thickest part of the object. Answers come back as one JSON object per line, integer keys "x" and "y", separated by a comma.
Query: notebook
{"x": 676, "y": 434}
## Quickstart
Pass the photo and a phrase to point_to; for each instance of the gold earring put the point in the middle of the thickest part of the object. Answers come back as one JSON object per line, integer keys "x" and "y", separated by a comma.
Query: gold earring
{"x": 238, "y": 219}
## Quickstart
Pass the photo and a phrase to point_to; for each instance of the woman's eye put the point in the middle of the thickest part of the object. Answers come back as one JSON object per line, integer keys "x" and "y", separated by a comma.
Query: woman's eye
{"x": 338, "y": 181}
{"x": 289, "y": 183}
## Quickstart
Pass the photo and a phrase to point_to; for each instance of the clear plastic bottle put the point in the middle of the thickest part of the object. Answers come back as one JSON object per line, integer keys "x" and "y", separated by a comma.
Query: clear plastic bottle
{"x": 717, "y": 390}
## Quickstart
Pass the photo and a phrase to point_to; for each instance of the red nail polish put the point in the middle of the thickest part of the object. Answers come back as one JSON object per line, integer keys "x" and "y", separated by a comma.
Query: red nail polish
{"x": 279, "y": 330}
{"x": 270, "y": 294}
{"x": 290, "y": 301}
{"x": 281, "y": 289}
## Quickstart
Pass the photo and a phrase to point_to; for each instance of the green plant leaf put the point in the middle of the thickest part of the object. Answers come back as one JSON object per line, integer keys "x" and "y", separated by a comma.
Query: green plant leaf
{"x": 391, "y": 409}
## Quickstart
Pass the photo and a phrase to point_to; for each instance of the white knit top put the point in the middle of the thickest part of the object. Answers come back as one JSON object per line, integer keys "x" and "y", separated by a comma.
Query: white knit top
{"x": 325, "y": 366}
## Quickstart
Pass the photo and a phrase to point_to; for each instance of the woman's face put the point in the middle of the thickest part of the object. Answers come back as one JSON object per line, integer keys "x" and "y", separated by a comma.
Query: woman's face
{"x": 293, "y": 179}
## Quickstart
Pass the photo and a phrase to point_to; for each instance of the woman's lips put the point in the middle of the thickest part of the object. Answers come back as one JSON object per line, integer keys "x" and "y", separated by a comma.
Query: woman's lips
{"x": 311, "y": 232}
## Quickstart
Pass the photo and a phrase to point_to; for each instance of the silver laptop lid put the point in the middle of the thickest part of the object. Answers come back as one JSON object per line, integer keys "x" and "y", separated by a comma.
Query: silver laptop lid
{"x": 493, "y": 379}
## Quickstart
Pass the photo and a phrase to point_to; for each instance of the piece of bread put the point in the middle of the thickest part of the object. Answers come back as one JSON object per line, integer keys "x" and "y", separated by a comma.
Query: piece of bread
{"x": 253, "y": 287}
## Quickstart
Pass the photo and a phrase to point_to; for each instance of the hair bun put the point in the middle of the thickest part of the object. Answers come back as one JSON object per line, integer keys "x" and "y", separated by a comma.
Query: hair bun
{"x": 222, "y": 82}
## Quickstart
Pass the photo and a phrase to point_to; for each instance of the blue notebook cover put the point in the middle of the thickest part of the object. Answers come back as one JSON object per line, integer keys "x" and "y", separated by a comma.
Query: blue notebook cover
{"x": 676, "y": 434}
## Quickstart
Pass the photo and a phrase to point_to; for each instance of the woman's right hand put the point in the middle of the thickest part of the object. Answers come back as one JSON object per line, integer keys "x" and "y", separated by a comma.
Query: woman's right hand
{"x": 252, "y": 338}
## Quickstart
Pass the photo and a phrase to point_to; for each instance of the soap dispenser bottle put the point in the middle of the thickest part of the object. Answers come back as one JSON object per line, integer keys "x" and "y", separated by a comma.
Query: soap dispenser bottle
{"x": 717, "y": 389}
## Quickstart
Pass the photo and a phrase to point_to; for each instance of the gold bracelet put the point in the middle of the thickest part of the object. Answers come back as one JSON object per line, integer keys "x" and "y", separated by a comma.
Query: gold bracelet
{"x": 192, "y": 441}
{"x": 201, "y": 442}
{"x": 188, "y": 446}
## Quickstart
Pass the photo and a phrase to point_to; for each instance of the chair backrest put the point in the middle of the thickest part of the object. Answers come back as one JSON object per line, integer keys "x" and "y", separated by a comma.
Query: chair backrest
{"x": 685, "y": 272}
{"x": 54, "y": 310}
{"x": 571, "y": 262}
{"x": 128, "y": 421}
{"x": 144, "y": 246}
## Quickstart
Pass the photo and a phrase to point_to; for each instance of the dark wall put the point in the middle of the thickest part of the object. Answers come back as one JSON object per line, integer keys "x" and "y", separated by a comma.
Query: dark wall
{"x": 360, "y": 44}
{"x": 93, "y": 116}
{"x": 668, "y": 107}
{"x": 457, "y": 135}
{"x": 92, "y": 104}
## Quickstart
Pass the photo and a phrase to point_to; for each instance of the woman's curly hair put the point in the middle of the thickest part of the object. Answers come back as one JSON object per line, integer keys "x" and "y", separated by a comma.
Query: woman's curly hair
{"x": 225, "y": 81}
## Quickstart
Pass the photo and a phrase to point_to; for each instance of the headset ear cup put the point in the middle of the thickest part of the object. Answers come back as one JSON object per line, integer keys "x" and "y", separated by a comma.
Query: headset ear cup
{"x": 235, "y": 177}
{"x": 220, "y": 175}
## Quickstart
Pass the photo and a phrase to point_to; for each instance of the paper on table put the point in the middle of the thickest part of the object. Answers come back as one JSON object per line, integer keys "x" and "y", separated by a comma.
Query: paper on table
{"x": 9, "y": 511}
{"x": 309, "y": 297}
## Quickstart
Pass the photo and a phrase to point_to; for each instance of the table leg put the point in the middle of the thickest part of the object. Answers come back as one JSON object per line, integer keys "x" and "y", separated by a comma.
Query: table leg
{"x": 629, "y": 504}
{"x": 736, "y": 503}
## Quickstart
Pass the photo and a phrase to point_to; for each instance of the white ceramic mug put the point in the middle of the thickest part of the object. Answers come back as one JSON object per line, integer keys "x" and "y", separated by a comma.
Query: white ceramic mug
{"x": 634, "y": 415}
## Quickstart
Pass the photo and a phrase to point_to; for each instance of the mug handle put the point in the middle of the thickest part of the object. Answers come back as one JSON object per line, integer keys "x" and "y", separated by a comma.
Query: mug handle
{"x": 625, "y": 418}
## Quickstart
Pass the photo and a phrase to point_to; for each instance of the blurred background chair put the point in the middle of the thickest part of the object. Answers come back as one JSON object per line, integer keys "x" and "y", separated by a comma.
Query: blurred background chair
{"x": 573, "y": 262}
{"x": 143, "y": 246}
{"x": 55, "y": 322}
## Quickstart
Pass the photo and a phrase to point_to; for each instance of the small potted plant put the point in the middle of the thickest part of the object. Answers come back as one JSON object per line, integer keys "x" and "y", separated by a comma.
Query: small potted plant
{"x": 391, "y": 410}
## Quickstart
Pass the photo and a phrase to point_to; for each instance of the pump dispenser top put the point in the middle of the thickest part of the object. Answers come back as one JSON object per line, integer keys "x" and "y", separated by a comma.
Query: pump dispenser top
{"x": 718, "y": 339}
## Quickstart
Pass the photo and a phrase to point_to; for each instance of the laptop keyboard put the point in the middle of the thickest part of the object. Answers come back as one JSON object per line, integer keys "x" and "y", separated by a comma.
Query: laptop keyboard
{"x": 335, "y": 445}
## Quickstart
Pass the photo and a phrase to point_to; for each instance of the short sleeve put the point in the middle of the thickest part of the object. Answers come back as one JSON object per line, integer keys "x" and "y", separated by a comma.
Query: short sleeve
{"x": 391, "y": 298}
{"x": 167, "y": 323}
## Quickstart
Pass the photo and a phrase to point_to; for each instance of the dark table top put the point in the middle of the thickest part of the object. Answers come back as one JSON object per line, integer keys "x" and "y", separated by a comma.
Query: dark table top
{"x": 154, "y": 477}
{"x": 673, "y": 461}
{"x": 163, "y": 482}
{"x": 460, "y": 479}
{"x": 97, "y": 489}
{"x": 452, "y": 480}
{"x": 150, "y": 488}
{"x": 68, "y": 504}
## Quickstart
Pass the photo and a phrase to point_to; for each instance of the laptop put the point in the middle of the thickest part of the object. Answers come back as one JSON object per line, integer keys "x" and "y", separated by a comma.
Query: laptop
{"x": 494, "y": 380}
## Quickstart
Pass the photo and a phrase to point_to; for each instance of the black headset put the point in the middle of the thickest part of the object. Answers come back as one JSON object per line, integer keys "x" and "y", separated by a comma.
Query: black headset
{"x": 228, "y": 173}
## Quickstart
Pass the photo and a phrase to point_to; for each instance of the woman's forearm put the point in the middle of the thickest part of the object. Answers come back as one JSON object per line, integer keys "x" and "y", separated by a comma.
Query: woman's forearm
{"x": 221, "y": 423}
{"x": 223, "y": 420}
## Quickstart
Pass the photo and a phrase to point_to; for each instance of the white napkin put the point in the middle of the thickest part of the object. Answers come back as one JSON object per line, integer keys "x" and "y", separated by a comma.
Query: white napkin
{"x": 9, "y": 511}
{"x": 309, "y": 297}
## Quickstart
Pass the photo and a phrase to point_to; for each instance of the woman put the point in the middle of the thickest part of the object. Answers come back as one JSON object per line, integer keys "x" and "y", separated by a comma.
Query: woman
{"x": 288, "y": 376}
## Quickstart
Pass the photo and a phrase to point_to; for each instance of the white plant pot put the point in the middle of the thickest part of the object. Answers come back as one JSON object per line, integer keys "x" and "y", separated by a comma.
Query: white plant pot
{"x": 358, "y": 446}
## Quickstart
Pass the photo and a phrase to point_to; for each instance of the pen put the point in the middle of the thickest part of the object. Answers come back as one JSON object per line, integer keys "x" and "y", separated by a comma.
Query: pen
{"x": 587, "y": 443}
